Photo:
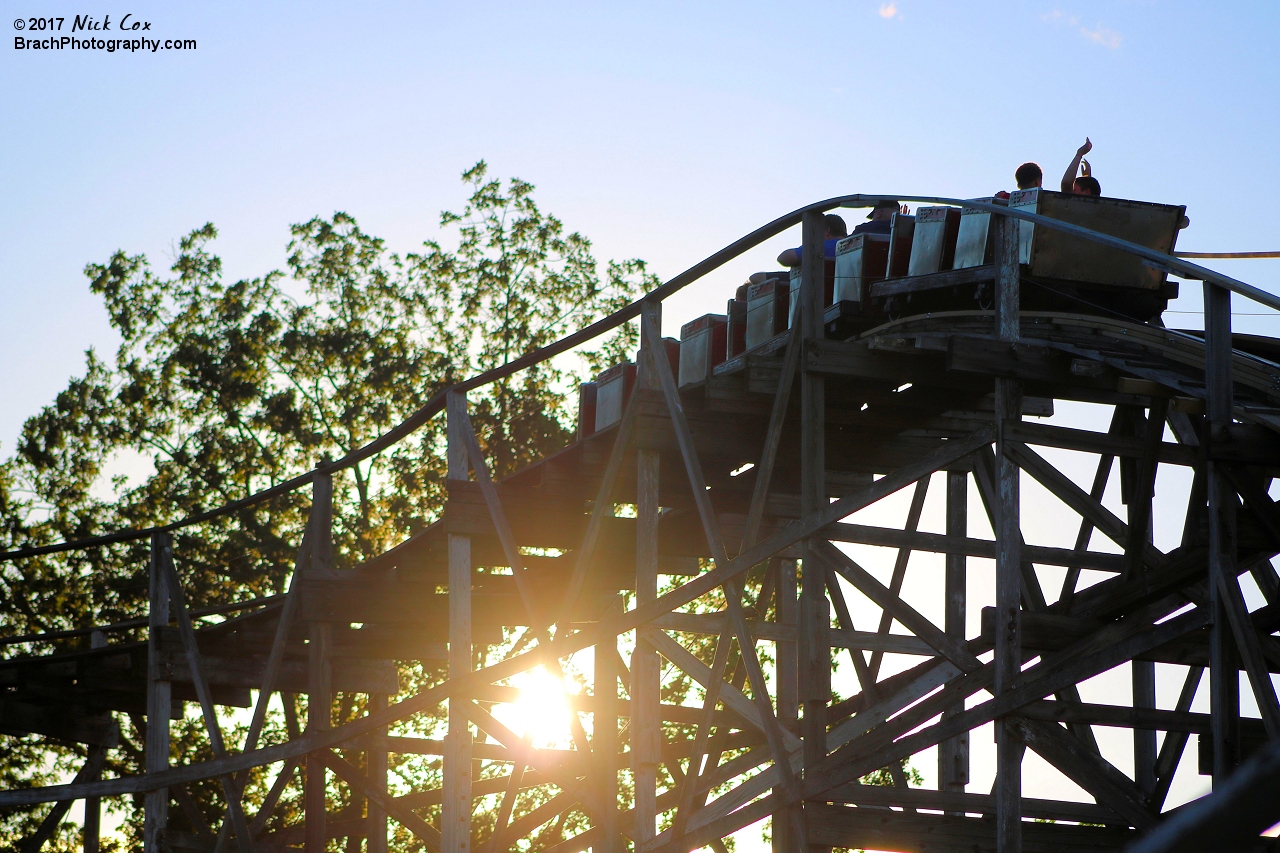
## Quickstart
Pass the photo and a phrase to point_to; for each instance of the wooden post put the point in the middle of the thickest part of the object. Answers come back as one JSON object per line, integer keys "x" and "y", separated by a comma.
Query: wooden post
{"x": 377, "y": 764}
{"x": 646, "y": 732}
{"x": 159, "y": 698}
{"x": 93, "y": 805}
{"x": 319, "y": 673}
{"x": 1224, "y": 668}
{"x": 1144, "y": 678}
{"x": 1008, "y": 639}
{"x": 605, "y": 735}
{"x": 788, "y": 687}
{"x": 953, "y": 754}
{"x": 815, "y": 615}
{"x": 455, "y": 827}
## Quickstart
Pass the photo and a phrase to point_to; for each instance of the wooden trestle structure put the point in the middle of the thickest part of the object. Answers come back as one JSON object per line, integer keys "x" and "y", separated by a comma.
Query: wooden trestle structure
{"x": 831, "y": 429}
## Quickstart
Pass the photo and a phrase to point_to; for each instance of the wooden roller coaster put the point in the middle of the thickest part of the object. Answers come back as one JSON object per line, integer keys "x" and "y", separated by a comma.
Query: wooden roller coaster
{"x": 727, "y": 466}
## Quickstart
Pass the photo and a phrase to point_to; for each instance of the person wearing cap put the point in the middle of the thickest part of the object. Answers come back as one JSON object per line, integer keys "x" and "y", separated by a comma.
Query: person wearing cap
{"x": 836, "y": 229}
{"x": 880, "y": 219}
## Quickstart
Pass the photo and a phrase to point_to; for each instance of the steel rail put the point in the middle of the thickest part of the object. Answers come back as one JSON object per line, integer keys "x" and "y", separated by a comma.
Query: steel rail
{"x": 1226, "y": 254}
{"x": 1169, "y": 263}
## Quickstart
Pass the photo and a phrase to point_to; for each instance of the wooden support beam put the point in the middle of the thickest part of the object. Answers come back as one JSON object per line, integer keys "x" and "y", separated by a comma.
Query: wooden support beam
{"x": 361, "y": 784}
{"x": 89, "y": 772}
{"x": 455, "y": 822}
{"x": 1087, "y": 769}
{"x": 376, "y": 762}
{"x": 177, "y": 600}
{"x": 730, "y": 696}
{"x": 159, "y": 698}
{"x": 1231, "y": 818}
{"x": 844, "y": 623}
{"x": 1174, "y": 743}
{"x": 319, "y": 673}
{"x": 953, "y": 753}
{"x": 602, "y": 509}
{"x": 1109, "y": 647}
{"x": 815, "y": 667}
{"x": 275, "y": 661}
{"x": 646, "y": 673}
{"x": 877, "y": 830}
{"x": 889, "y": 537}
{"x": 774, "y": 733}
{"x": 1085, "y": 533}
{"x": 1144, "y": 487}
{"x": 566, "y": 778}
{"x": 1224, "y": 680}
{"x": 711, "y": 698}
{"x": 1008, "y": 644}
{"x": 787, "y": 609}
{"x": 960, "y": 803}
{"x": 1143, "y": 673}
{"x": 93, "y": 805}
{"x": 772, "y": 438}
{"x": 946, "y": 455}
{"x": 910, "y": 618}
{"x": 900, "y": 565}
{"x": 604, "y": 725}
{"x": 1143, "y": 677}
{"x": 282, "y": 780}
{"x": 1061, "y": 487}
{"x": 508, "y": 802}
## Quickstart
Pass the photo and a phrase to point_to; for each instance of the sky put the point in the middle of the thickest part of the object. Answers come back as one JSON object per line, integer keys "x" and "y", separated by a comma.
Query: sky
{"x": 662, "y": 131}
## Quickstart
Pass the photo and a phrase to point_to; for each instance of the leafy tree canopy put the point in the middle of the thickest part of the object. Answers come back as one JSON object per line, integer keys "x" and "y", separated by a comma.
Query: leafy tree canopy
{"x": 219, "y": 389}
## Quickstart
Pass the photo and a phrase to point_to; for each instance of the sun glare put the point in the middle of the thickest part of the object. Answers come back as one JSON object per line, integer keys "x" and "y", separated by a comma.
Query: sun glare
{"x": 541, "y": 711}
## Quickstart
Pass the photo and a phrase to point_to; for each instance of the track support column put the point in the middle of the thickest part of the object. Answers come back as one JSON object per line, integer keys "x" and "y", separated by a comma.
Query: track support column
{"x": 646, "y": 732}
{"x": 605, "y": 738}
{"x": 159, "y": 697}
{"x": 319, "y": 674}
{"x": 1224, "y": 666}
{"x": 455, "y": 829}
{"x": 953, "y": 754}
{"x": 93, "y": 805}
{"x": 377, "y": 762}
{"x": 788, "y": 688}
{"x": 1008, "y": 639}
{"x": 815, "y": 609}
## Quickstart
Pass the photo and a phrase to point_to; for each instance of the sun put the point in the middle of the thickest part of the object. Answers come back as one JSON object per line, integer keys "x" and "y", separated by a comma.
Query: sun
{"x": 541, "y": 711}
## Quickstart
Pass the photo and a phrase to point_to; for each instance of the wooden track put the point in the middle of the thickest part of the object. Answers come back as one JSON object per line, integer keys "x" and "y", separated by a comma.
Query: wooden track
{"x": 581, "y": 539}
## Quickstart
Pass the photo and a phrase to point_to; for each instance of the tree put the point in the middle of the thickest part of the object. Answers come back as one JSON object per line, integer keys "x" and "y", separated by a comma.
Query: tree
{"x": 218, "y": 390}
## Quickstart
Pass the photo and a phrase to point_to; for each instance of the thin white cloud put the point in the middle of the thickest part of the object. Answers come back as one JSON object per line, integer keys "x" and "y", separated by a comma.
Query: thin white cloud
{"x": 1103, "y": 36}
{"x": 1099, "y": 35}
{"x": 888, "y": 10}
{"x": 1057, "y": 18}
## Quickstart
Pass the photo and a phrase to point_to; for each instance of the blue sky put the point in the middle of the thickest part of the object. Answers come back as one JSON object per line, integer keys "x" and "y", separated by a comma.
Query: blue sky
{"x": 661, "y": 131}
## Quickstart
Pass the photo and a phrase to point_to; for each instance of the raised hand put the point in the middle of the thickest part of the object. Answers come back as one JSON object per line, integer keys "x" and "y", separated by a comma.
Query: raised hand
{"x": 1084, "y": 149}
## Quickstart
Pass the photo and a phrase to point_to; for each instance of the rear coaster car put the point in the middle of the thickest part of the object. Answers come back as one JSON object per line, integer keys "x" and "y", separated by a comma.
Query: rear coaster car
{"x": 1059, "y": 271}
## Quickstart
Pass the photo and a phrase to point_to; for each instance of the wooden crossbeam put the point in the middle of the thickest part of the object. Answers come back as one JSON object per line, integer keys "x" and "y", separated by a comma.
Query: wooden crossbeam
{"x": 774, "y": 733}
{"x": 948, "y": 454}
{"x": 177, "y": 599}
{"x": 89, "y": 771}
{"x": 1111, "y": 646}
{"x": 1087, "y": 769}
{"x": 426, "y": 833}
{"x": 1175, "y": 742}
{"x": 772, "y": 438}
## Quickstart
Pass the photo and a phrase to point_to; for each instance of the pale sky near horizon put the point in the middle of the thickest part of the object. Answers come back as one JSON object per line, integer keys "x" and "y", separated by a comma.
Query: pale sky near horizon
{"x": 661, "y": 131}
